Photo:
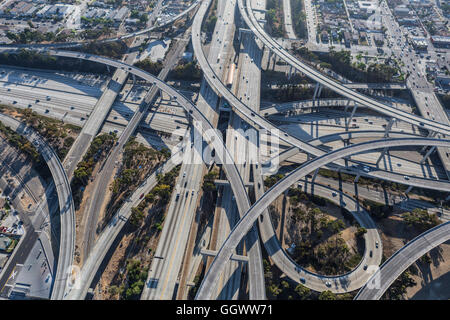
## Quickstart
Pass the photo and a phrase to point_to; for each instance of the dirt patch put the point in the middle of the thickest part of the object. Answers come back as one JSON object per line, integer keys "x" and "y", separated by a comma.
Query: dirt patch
{"x": 433, "y": 279}
{"x": 316, "y": 234}
{"x": 431, "y": 273}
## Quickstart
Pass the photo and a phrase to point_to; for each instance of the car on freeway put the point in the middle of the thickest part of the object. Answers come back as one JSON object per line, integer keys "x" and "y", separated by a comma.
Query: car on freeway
{"x": 406, "y": 177}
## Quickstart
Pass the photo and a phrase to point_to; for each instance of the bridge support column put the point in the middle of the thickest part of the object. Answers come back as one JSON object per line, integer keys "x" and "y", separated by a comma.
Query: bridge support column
{"x": 314, "y": 175}
{"x": 409, "y": 189}
{"x": 357, "y": 178}
{"x": 134, "y": 78}
{"x": 389, "y": 127}
{"x": 290, "y": 73}
{"x": 316, "y": 91}
{"x": 425, "y": 157}
{"x": 347, "y": 105}
{"x": 107, "y": 67}
{"x": 320, "y": 91}
{"x": 381, "y": 156}
{"x": 269, "y": 58}
{"x": 351, "y": 115}
{"x": 431, "y": 134}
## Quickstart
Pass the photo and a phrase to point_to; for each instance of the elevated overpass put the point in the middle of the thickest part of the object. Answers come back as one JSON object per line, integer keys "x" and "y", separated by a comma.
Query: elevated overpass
{"x": 63, "y": 275}
{"x": 392, "y": 268}
{"x": 244, "y": 225}
{"x": 255, "y": 119}
{"x": 343, "y": 90}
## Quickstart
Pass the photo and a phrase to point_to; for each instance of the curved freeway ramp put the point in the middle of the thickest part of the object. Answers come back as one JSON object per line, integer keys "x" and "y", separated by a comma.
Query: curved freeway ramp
{"x": 112, "y": 230}
{"x": 255, "y": 119}
{"x": 249, "y": 18}
{"x": 66, "y": 207}
{"x": 209, "y": 133}
{"x": 242, "y": 109}
{"x": 401, "y": 260}
{"x": 350, "y": 281}
{"x": 244, "y": 225}
{"x": 255, "y": 268}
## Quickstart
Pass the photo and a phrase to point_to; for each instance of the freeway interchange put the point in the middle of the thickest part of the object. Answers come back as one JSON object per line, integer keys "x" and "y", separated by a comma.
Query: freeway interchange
{"x": 250, "y": 217}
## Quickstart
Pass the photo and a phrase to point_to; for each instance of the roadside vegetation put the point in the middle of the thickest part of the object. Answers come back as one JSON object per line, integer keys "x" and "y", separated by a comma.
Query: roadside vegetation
{"x": 108, "y": 49}
{"x": 341, "y": 63}
{"x": 374, "y": 183}
{"x": 99, "y": 148}
{"x": 187, "y": 71}
{"x": 398, "y": 288}
{"x": 318, "y": 237}
{"x": 150, "y": 66}
{"x": 275, "y": 18}
{"x": 421, "y": 219}
{"x": 34, "y": 59}
{"x": 210, "y": 23}
{"x": 59, "y": 135}
{"x": 158, "y": 197}
{"x": 20, "y": 143}
{"x": 138, "y": 244}
{"x": 138, "y": 161}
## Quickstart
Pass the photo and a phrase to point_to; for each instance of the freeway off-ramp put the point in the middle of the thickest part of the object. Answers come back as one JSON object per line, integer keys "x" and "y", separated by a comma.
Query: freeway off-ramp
{"x": 338, "y": 284}
{"x": 332, "y": 84}
{"x": 66, "y": 207}
{"x": 210, "y": 134}
{"x": 252, "y": 117}
{"x": 258, "y": 207}
{"x": 401, "y": 260}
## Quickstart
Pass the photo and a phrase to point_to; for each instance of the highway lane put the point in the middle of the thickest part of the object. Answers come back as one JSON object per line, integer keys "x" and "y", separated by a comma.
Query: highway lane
{"x": 254, "y": 118}
{"x": 112, "y": 230}
{"x": 96, "y": 202}
{"x": 114, "y": 62}
{"x": 287, "y": 19}
{"x": 331, "y": 83}
{"x": 222, "y": 52}
{"x": 155, "y": 121}
{"x": 347, "y": 282}
{"x": 256, "y": 279}
{"x": 210, "y": 135}
{"x": 243, "y": 150}
{"x": 401, "y": 260}
{"x": 167, "y": 259}
{"x": 422, "y": 91}
{"x": 258, "y": 207}
{"x": 167, "y": 118}
{"x": 63, "y": 279}
{"x": 163, "y": 274}
{"x": 94, "y": 122}
{"x": 240, "y": 107}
